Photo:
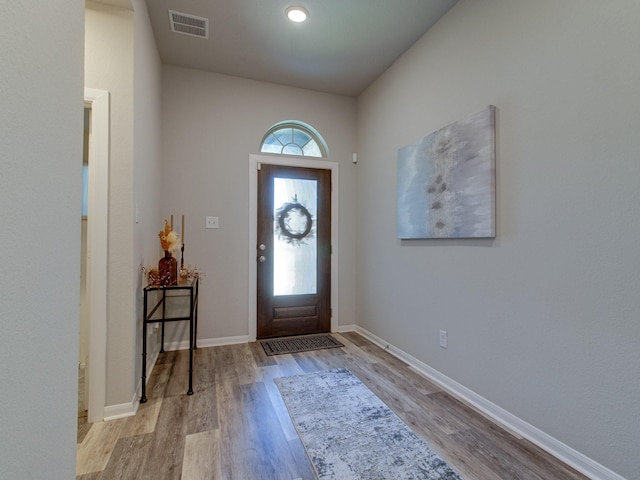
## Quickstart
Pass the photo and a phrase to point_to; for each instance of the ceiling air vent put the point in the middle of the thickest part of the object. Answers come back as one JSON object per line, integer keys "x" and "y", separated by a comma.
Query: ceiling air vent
{"x": 189, "y": 24}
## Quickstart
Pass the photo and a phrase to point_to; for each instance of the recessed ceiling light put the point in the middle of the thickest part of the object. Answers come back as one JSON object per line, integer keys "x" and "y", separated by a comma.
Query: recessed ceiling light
{"x": 297, "y": 14}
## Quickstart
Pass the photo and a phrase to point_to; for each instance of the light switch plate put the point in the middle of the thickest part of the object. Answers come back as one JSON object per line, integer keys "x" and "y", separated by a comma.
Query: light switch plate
{"x": 444, "y": 340}
{"x": 211, "y": 222}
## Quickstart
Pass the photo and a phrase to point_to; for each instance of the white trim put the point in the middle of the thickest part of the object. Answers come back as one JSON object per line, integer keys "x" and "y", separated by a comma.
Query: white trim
{"x": 97, "y": 234}
{"x": 347, "y": 328}
{"x": 254, "y": 161}
{"x": 519, "y": 427}
{"x": 122, "y": 410}
{"x": 206, "y": 342}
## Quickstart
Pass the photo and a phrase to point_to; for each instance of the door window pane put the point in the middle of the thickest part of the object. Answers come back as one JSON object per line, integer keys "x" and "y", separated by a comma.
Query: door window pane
{"x": 295, "y": 244}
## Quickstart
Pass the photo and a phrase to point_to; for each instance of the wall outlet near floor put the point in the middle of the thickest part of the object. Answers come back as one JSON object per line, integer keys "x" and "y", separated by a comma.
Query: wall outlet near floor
{"x": 443, "y": 339}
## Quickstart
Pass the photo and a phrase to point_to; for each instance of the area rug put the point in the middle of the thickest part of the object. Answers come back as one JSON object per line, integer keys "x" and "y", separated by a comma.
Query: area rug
{"x": 279, "y": 346}
{"x": 350, "y": 434}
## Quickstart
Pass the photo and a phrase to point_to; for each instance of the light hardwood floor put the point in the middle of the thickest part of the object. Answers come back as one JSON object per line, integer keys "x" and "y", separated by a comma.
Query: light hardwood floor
{"x": 236, "y": 426}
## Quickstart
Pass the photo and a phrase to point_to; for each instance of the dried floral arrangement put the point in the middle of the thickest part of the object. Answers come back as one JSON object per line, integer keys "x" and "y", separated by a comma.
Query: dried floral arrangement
{"x": 169, "y": 240}
{"x": 191, "y": 271}
{"x": 153, "y": 275}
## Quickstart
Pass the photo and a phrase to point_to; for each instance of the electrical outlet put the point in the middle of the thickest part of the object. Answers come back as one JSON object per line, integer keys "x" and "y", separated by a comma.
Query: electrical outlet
{"x": 211, "y": 222}
{"x": 443, "y": 339}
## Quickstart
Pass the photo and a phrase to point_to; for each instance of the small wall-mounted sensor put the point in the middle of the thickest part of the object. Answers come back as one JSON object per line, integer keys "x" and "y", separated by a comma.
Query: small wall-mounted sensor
{"x": 355, "y": 158}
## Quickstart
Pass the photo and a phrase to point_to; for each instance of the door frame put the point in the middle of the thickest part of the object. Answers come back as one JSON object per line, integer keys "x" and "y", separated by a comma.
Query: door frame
{"x": 291, "y": 161}
{"x": 97, "y": 234}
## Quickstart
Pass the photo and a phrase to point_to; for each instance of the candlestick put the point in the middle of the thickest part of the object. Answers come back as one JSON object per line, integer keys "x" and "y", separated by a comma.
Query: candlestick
{"x": 182, "y": 246}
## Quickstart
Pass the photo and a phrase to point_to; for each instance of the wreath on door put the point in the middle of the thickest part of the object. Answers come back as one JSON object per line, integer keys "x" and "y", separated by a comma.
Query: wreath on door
{"x": 294, "y": 223}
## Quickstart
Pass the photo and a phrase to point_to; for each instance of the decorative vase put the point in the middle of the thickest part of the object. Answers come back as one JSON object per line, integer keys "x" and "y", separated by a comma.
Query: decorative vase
{"x": 168, "y": 270}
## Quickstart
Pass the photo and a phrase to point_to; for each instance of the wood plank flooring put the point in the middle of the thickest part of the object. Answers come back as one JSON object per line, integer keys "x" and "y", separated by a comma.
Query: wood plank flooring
{"x": 236, "y": 427}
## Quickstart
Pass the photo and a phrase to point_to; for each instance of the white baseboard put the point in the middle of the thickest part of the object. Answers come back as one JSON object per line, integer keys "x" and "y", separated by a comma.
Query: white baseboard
{"x": 348, "y": 328}
{"x": 129, "y": 409}
{"x": 122, "y": 410}
{"x": 563, "y": 452}
{"x": 207, "y": 342}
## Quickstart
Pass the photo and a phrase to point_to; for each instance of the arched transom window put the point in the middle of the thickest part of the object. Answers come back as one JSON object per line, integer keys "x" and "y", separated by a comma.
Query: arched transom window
{"x": 293, "y": 138}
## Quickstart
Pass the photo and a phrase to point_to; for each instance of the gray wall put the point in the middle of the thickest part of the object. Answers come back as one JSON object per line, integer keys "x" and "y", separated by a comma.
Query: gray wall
{"x": 543, "y": 320}
{"x": 109, "y": 66}
{"x": 121, "y": 57}
{"x": 147, "y": 168}
{"x": 41, "y": 116}
{"x": 211, "y": 124}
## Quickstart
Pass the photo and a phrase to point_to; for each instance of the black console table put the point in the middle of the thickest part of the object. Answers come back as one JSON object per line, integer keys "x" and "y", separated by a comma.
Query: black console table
{"x": 174, "y": 303}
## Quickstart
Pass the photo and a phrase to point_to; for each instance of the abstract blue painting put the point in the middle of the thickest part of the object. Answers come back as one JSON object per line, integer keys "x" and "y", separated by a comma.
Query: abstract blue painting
{"x": 446, "y": 181}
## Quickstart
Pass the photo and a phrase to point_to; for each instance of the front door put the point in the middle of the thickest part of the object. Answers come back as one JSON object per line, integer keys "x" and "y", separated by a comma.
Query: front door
{"x": 293, "y": 251}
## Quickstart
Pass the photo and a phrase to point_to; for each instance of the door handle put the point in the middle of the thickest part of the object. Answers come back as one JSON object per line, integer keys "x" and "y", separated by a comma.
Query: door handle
{"x": 262, "y": 259}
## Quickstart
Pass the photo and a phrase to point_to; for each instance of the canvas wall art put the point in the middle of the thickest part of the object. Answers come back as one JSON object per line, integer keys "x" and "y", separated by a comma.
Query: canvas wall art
{"x": 446, "y": 181}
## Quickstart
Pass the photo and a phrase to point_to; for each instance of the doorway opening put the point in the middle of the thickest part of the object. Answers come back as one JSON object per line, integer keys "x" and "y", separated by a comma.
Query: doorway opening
{"x": 93, "y": 333}
{"x": 294, "y": 251}
{"x": 83, "y": 350}
{"x": 256, "y": 162}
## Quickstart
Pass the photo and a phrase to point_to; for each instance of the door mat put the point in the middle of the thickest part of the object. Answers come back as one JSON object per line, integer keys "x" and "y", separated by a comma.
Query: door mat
{"x": 280, "y": 346}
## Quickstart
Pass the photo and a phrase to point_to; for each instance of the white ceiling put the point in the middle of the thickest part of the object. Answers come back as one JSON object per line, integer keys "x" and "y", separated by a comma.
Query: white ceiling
{"x": 118, "y": 3}
{"x": 343, "y": 47}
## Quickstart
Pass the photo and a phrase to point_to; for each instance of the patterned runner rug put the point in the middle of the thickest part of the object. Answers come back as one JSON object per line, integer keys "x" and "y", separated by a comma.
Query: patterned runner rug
{"x": 279, "y": 346}
{"x": 350, "y": 434}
